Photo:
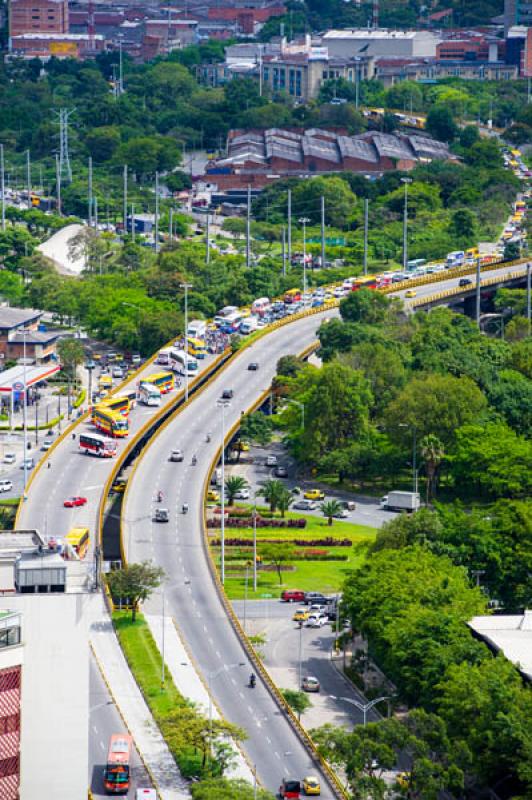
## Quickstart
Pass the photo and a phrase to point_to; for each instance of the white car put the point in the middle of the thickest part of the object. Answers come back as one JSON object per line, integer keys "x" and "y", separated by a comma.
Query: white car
{"x": 243, "y": 494}
{"x": 5, "y": 486}
{"x": 317, "y": 609}
{"x": 271, "y": 461}
{"x": 47, "y": 444}
{"x": 10, "y": 458}
{"x": 339, "y": 291}
{"x": 316, "y": 621}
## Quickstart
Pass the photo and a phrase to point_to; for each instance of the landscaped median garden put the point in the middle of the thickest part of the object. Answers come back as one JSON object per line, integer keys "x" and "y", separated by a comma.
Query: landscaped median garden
{"x": 293, "y": 550}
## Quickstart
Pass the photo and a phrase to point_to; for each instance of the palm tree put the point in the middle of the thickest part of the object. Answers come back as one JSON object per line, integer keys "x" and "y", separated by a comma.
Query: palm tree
{"x": 330, "y": 509}
{"x": 284, "y": 500}
{"x": 432, "y": 452}
{"x": 233, "y": 485}
{"x": 272, "y": 491}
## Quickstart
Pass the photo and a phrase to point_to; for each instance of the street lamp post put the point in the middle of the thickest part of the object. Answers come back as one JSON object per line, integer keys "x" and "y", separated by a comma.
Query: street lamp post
{"x": 364, "y": 707}
{"x": 89, "y": 366}
{"x": 186, "y": 287}
{"x": 254, "y": 516}
{"x": 223, "y": 404}
{"x": 24, "y": 407}
{"x": 300, "y": 656}
{"x": 406, "y": 181}
{"x": 303, "y": 221}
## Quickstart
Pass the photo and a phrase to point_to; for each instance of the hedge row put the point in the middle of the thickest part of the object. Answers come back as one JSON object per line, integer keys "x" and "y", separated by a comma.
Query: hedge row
{"x": 247, "y": 522}
{"x": 328, "y": 541}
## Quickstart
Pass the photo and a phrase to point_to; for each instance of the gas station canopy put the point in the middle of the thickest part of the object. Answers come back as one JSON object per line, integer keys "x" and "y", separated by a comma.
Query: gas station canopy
{"x": 13, "y": 379}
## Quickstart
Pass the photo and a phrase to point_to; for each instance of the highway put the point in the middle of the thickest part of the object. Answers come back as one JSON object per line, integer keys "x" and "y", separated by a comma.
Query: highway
{"x": 191, "y": 594}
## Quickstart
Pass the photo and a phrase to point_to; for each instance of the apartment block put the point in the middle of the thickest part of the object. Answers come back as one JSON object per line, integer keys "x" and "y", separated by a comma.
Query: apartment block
{"x": 37, "y": 16}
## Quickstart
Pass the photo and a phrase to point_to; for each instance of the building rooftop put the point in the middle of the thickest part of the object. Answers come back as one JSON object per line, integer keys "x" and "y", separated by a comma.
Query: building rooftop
{"x": 68, "y": 37}
{"x": 15, "y": 375}
{"x": 511, "y": 635}
{"x": 35, "y": 337}
{"x": 15, "y": 317}
{"x": 364, "y": 33}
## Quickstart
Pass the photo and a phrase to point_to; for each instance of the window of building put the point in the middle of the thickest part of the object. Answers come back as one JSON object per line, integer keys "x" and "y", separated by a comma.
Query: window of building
{"x": 9, "y": 766}
{"x": 9, "y": 636}
{"x": 266, "y": 73}
{"x": 282, "y": 78}
{"x": 9, "y": 724}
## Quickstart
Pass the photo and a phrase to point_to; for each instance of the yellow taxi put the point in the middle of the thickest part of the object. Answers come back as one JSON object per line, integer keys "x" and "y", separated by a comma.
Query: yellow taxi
{"x": 213, "y": 495}
{"x": 311, "y": 786}
{"x": 242, "y": 446}
{"x": 301, "y": 615}
{"x": 410, "y": 293}
{"x": 314, "y": 494}
{"x": 119, "y": 486}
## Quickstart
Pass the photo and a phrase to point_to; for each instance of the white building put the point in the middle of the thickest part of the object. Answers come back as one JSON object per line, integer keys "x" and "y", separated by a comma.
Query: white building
{"x": 353, "y": 42}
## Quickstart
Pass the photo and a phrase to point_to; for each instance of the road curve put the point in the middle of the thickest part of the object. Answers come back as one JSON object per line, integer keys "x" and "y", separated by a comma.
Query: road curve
{"x": 178, "y": 547}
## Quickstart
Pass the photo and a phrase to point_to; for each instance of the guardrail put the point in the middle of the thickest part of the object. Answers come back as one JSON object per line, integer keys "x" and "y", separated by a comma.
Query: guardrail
{"x": 458, "y": 290}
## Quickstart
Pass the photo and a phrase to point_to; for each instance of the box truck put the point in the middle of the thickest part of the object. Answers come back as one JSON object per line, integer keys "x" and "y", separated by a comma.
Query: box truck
{"x": 400, "y": 501}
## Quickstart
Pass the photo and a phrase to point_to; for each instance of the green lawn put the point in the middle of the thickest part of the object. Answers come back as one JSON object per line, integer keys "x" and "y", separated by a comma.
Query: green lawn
{"x": 325, "y": 576}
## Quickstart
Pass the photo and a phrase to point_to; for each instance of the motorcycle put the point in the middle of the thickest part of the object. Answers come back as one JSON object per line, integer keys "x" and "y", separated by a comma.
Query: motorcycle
{"x": 252, "y": 681}
{"x": 184, "y": 508}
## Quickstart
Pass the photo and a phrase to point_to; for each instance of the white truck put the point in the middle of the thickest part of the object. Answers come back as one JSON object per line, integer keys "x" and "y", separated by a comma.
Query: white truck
{"x": 248, "y": 325}
{"x": 216, "y": 477}
{"x": 197, "y": 328}
{"x": 149, "y": 395}
{"x": 400, "y": 501}
{"x": 455, "y": 259}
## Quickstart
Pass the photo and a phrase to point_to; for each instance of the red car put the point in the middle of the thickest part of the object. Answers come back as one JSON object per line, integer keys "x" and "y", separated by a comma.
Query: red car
{"x": 72, "y": 502}
{"x": 293, "y": 596}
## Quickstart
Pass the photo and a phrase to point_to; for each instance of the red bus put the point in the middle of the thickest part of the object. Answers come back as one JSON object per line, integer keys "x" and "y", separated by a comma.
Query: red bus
{"x": 365, "y": 282}
{"x": 97, "y": 445}
{"x": 116, "y": 773}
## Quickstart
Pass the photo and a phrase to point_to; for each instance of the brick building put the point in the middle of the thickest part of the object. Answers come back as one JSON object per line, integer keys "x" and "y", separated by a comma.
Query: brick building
{"x": 19, "y": 333}
{"x": 38, "y": 16}
{"x": 246, "y": 20}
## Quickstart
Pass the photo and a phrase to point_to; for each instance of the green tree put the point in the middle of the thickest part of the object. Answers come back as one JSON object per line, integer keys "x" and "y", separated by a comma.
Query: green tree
{"x": 102, "y": 142}
{"x": 135, "y": 583}
{"x": 233, "y": 485}
{"x": 432, "y": 453}
{"x": 365, "y": 306}
{"x": 256, "y": 428}
{"x": 434, "y": 404}
{"x": 464, "y": 225}
{"x": 271, "y": 492}
{"x": 285, "y": 498}
{"x": 298, "y": 701}
{"x": 279, "y": 555}
{"x": 71, "y": 354}
{"x": 440, "y": 124}
{"x": 331, "y": 509}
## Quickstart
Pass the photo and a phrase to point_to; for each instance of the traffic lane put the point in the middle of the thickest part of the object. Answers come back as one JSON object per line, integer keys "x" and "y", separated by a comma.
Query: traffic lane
{"x": 104, "y": 720}
{"x": 281, "y": 658}
{"x": 74, "y": 475}
{"x": 193, "y": 599}
{"x": 256, "y": 472}
{"x": 428, "y": 289}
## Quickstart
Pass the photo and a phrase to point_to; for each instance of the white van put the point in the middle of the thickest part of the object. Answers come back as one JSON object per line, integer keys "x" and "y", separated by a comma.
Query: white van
{"x": 197, "y": 328}
{"x": 248, "y": 325}
{"x": 260, "y": 306}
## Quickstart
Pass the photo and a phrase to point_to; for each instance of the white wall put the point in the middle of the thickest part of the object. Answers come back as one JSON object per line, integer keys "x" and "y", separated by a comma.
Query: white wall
{"x": 55, "y": 695}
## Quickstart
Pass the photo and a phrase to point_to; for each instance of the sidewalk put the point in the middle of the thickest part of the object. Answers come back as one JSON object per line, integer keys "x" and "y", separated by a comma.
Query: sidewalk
{"x": 130, "y": 702}
{"x": 188, "y": 681}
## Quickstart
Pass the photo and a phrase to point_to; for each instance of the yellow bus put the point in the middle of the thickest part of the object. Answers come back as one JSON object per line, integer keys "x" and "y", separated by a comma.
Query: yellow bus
{"x": 105, "y": 382}
{"x": 110, "y": 422}
{"x": 292, "y": 296}
{"x": 196, "y": 347}
{"x": 471, "y": 252}
{"x": 164, "y": 381}
{"x": 79, "y": 540}
{"x": 119, "y": 403}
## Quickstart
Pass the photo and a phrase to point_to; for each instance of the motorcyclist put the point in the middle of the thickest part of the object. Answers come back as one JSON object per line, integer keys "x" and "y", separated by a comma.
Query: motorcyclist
{"x": 184, "y": 508}
{"x": 194, "y": 460}
{"x": 208, "y": 437}
{"x": 252, "y": 680}
{"x": 159, "y": 496}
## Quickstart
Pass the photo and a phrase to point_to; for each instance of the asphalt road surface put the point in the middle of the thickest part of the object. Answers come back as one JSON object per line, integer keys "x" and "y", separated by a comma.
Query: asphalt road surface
{"x": 178, "y": 547}
{"x": 104, "y": 720}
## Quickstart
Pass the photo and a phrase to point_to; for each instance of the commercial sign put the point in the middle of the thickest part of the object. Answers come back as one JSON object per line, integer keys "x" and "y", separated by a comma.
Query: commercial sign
{"x": 66, "y": 49}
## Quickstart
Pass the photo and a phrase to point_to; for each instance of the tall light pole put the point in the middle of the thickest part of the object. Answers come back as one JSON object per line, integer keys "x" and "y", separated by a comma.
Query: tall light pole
{"x": 254, "y": 517}
{"x": 2, "y": 186}
{"x": 303, "y": 221}
{"x": 186, "y": 287}
{"x": 24, "y": 409}
{"x": 89, "y": 366}
{"x": 223, "y": 404}
{"x": 364, "y": 707}
{"x": 300, "y": 657}
{"x": 406, "y": 181}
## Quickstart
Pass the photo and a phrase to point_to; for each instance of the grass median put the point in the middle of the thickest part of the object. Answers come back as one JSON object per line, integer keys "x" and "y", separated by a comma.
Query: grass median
{"x": 297, "y": 573}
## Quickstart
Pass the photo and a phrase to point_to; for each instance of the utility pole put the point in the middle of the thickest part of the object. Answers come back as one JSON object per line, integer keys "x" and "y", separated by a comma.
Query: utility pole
{"x": 303, "y": 222}
{"x": 132, "y": 222}
{"x": 28, "y": 176}
{"x": 366, "y": 221}
{"x": 283, "y": 244}
{"x": 125, "y": 199}
{"x": 207, "y": 242}
{"x": 477, "y": 295}
{"x": 171, "y": 225}
{"x": 289, "y": 227}
{"x": 58, "y": 183}
{"x": 528, "y": 295}
{"x": 95, "y": 212}
{"x": 64, "y": 115}
{"x": 406, "y": 181}
{"x": 90, "y": 191}
{"x": 186, "y": 287}
{"x": 3, "y": 186}
{"x": 156, "y": 212}
{"x": 248, "y": 229}
{"x": 322, "y": 232}
{"x": 120, "y": 69}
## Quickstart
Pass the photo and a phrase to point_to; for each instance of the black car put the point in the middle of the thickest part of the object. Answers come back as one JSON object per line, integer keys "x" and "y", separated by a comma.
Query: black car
{"x": 253, "y": 366}
{"x": 465, "y": 282}
{"x": 280, "y": 472}
{"x": 227, "y": 394}
{"x": 316, "y": 598}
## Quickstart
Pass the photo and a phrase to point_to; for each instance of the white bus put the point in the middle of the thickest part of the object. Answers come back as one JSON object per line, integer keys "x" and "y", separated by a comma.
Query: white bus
{"x": 149, "y": 395}
{"x": 97, "y": 445}
{"x": 260, "y": 306}
{"x": 183, "y": 363}
{"x": 163, "y": 357}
